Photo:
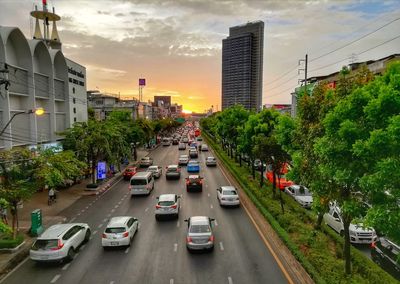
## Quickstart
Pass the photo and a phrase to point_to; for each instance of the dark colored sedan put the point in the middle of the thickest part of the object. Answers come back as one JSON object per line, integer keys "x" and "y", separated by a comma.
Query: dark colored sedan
{"x": 194, "y": 183}
{"x": 129, "y": 172}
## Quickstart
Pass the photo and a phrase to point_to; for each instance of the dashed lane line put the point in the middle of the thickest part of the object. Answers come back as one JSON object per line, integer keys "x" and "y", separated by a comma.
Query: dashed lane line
{"x": 221, "y": 245}
{"x": 211, "y": 206}
{"x": 105, "y": 220}
{"x": 72, "y": 219}
{"x": 108, "y": 215}
{"x": 230, "y": 280}
{"x": 116, "y": 206}
{"x": 55, "y": 278}
{"x": 127, "y": 250}
{"x": 175, "y": 247}
{"x": 94, "y": 233}
{"x": 147, "y": 209}
{"x": 208, "y": 195}
{"x": 65, "y": 267}
{"x": 112, "y": 210}
{"x": 177, "y": 224}
{"x": 99, "y": 226}
{"x": 171, "y": 281}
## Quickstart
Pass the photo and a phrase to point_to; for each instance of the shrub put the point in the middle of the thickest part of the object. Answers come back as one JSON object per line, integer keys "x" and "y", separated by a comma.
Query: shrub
{"x": 8, "y": 243}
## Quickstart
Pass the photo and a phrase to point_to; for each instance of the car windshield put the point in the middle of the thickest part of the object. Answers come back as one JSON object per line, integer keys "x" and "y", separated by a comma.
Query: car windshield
{"x": 45, "y": 244}
{"x": 210, "y": 159}
{"x": 117, "y": 230}
{"x": 193, "y": 163}
{"x": 229, "y": 192}
{"x": 138, "y": 182}
{"x": 166, "y": 203}
{"x": 303, "y": 191}
{"x": 145, "y": 159}
{"x": 200, "y": 229}
{"x": 152, "y": 169}
{"x": 128, "y": 170}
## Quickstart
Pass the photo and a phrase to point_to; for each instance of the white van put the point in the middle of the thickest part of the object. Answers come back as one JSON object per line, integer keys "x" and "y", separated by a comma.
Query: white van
{"x": 141, "y": 183}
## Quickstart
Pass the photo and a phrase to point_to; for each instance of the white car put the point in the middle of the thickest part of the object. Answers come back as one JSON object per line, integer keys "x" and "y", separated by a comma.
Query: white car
{"x": 204, "y": 147}
{"x": 60, "y": 242}
{"x": 182, "y": 146}
{"x": 146, "y": 162}
{"x": 167, "y": 205}
{"x": 156, "y": 170}
{"x": 211, "y": 161}
{"x": 183, "y": 160}
{"x": 200, "y": 234}
{"x": 358, "y": 233}
{"x": 301, "y": 194}
{"x": 119, "y": 231}
{"x": 228, "y": 196}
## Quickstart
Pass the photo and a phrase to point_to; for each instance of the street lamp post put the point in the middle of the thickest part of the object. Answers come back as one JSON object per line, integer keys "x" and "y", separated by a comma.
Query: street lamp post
{"x": 37, "y": 111}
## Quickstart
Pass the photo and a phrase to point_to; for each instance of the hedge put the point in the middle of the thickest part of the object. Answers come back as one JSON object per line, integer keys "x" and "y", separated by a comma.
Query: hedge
{"x": 11, "y": 243}
{"x": 319, "y": 251}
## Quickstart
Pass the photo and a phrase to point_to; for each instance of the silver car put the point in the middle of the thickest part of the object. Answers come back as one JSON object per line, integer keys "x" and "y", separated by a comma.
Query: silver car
{"x": 119, "y": 231}
{"x": 60, "y": 242}
{"x": 228, "y": 196}
{"x": 183, "y": 160}
{"x": 204, "y": 148}
{"x": 173, "y": 172}
{"x": 211, "y": 161}
{"x": 146, "y": 162}
{"x": 200, "y": 235}
{"x": 156, "y": 170}
{"x": 301, "y": 194}
{"x": 167, "y": 205}
{"x": 182, "y": 146}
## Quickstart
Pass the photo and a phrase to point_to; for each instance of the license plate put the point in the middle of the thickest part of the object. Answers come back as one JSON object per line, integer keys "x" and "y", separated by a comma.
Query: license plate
{"x": 114, "y": 243}
{"x": 44, "y": 257}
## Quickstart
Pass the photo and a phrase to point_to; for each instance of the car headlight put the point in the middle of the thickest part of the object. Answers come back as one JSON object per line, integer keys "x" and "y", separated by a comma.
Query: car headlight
{"x": 352, "y": 233}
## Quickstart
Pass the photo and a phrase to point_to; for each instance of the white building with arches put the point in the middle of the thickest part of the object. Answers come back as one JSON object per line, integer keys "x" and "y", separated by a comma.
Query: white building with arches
{"x": 38, "y": 77}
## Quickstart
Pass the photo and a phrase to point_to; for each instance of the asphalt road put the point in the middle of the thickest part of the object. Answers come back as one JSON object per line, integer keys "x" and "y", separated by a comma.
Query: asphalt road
{"x": 158, "y": 252}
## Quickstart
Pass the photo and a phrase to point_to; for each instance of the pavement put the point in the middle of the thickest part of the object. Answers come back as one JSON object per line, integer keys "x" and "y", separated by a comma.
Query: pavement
{"x": 53, "y": 214}
{"x": 158, "y": 252}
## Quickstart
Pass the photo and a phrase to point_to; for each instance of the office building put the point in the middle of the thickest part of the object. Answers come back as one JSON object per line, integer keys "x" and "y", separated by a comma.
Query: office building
{"x": 242, "y": 66}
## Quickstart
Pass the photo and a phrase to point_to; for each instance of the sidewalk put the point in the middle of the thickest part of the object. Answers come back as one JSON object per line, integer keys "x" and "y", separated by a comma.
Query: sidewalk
{"x": 50, "y": 214}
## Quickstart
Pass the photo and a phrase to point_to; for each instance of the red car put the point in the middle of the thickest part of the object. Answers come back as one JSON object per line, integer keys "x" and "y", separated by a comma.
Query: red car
{"x": 282, "y": 182}
{"x": 129, "y": 172}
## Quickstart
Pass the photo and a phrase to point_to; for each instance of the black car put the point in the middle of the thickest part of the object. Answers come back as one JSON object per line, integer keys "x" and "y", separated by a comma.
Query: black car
{"x": 194, "y": 183}
{"x": 175, "y": 141}
{"x": 386, "y": 254}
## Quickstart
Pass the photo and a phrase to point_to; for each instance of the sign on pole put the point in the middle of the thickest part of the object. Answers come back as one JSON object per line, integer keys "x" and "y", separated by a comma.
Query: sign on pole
{"x": 142, "y": 82}
{"x": 101, "y": 170}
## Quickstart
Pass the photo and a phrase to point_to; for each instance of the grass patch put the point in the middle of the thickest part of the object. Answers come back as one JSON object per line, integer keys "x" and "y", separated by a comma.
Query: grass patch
{"x": 9, "y": 243}
{"x": 319, "y": 251}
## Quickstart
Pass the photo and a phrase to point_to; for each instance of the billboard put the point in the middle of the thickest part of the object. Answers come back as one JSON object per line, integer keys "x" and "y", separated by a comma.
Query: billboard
{"x": 101, "y": 170}
{"x": 142, "y": 82}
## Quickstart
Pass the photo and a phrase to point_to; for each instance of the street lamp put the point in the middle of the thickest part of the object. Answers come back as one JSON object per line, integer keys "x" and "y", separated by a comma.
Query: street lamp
{"x": 37, "y": 111}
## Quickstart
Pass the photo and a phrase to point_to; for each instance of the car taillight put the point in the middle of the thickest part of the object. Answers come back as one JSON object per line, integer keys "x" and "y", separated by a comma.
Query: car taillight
{"x": 104, "y": 236}
{"x": 201, "y": 181}
{"x": 59, "y": 245}
{"x": 124, "y": 235}
{"x": 211, "y": 239}
{"x": 373, "y": 245}
{"x": 158, "y": 206}
{"x": 188, "y": 239}
{"x": 187, "y": 182}
{"x": 174, "y": 206}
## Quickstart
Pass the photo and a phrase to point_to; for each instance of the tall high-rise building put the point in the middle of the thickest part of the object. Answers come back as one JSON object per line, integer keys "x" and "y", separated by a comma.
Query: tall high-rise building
{"x": 242, "y": 66}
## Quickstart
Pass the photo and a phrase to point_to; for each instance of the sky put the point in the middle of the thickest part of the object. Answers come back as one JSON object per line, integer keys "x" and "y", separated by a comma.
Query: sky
{"x": 176, "y": 44}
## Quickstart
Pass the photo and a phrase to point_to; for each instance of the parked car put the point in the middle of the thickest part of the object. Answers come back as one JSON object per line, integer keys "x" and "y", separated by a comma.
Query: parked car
{"x": 200, "y": 235}
{"x": 358, "y": 233}
{"x": 60, "y": 242}
{"x": 228, "y": 196}
{"x": 129, "y": 172}
{"x": 141, "y": 184}
{"x": 193, "y": 153}
{"x": 193, "y": 166}
{"x": 182, "y": 146}
{"x": 167, "y": 205}
{"x": 146, "y": 162}
{"x": 301, "y": 194}
{"x": 183, "y": 160}
{"x": 211, "y": 161}
{"x": 194, "y": 183}
{"x": 173, "y": 172}
{"x": 282, "y": 181}
{"x": 386, "y": 254}
{"x": 119, "y": 231}
{"x": 258, "y": 164}
{"x": 156, "y": 170}
{"x": 204, "y": 147}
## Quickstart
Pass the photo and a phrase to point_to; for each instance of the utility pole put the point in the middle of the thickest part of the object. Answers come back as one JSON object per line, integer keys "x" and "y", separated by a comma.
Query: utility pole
{"x": 305, "y": 72}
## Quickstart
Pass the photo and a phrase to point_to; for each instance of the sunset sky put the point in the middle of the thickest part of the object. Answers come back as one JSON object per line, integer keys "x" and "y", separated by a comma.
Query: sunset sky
{"x": 176, "y": 44}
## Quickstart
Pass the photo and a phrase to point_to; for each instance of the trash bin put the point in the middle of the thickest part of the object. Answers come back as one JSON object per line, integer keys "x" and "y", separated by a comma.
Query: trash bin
{"x": 36, "y": 222}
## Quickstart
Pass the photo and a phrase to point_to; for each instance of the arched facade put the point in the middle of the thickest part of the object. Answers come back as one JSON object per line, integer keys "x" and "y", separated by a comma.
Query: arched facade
{"x": 38, "y": 78}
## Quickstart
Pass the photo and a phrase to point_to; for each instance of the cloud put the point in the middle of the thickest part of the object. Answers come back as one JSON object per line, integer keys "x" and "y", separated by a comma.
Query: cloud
{"x": 119, "y": 15}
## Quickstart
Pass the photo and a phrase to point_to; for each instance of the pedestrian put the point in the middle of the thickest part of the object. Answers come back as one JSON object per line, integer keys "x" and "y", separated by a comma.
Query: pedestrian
{"x": 52, "y": 195}
{"x": 3, "y": 212}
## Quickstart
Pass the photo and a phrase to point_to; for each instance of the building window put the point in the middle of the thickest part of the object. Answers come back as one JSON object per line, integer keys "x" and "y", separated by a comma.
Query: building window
{"x": 74, "y": 100}
{"x": 74, "y": 110}
{"x": 73, "y": 90}
{"x": 70, "y": 79}
{"x": 74, "y": 119}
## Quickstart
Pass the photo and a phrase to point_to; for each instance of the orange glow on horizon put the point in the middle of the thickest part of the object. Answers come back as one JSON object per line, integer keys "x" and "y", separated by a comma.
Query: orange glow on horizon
{"x": 185, "y": 111}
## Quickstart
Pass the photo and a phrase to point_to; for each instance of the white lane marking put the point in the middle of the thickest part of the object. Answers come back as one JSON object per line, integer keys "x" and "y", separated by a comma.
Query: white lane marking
{"x": 116, "y": 206}
{"x": 206, "y": 185}
{"x": 54, "y": 280}
{"x": 147, "y": 209}
{"x": 139, "y": 225}
{"x": 83, "y": 210}
{"x": 215, "y": 222}
{"x": 109, "y": 215}
{"x": 230, "y": 280}
{"x": 171, "y": 281}
{"x": 99, "y": 226}
{"x": 112, "y": 282}
{"x": 175, "y": 247}
{"x": 78, "y": 214}
{"x": 65, "y": 267}
{"x": 105, "y": 220}
{"x": 72, "y": 219}
{"x": 127, "y": 250}
{"x": 14, "y": 269}
{"x": 76, "y": 255}
{"x": 208, "y": 195}
{"x": 221, "y": 245}
{"x": 119, "y": 203}
{"x": 94, "y": 233}
{"x": 87, "y": 207}
{"x": 211, "y": 206}
{"x": 177, "y": 224}
{"x": 112, "y": 210}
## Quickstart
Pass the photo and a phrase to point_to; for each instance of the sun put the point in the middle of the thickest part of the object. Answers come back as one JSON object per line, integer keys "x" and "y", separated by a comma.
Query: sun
{"x": 187, "y": 111}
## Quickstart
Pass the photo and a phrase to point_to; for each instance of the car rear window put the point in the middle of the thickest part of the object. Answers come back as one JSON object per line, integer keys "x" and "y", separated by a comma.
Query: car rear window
{"x": 130, "y": 170}
{"x": 166, "y": 203}
{"x": 172, "y": 169}
{"x": 193, "y": 163}
{"x": 194, "y": 179}
{"x": 45, "y": 244}
{"x": 200, "y": 229}
{"x": 229, "y": 192}
{"x": 138, "y": 181}
{"x": 117, "y": 230}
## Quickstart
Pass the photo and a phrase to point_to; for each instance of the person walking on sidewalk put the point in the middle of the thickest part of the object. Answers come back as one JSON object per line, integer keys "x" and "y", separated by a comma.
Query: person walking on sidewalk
{"x": 52, "y": 196}
{"x": 3, "y": 212}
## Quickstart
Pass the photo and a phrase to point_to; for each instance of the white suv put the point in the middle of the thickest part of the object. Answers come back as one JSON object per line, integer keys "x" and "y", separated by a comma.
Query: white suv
{"x": 167, "y": 205}
{"x": 59, "y": 242}
{"x": 119, "y": 231}
{"x": 358, "y": 233}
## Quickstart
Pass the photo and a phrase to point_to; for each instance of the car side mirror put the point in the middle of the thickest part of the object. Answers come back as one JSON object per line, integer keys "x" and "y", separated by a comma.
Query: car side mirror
{"x": 157, "y": 197}
{"x": 212, "y": 219}
{"x": 186, "y": 220}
